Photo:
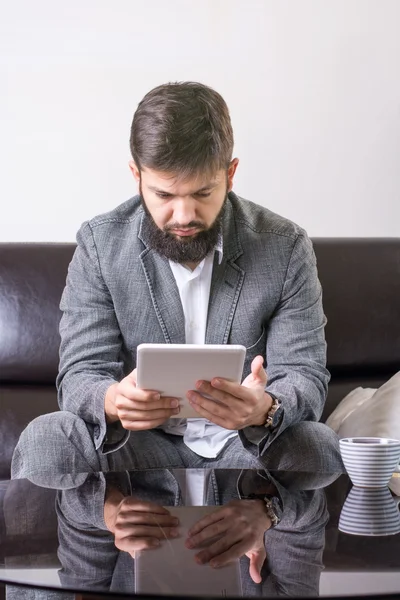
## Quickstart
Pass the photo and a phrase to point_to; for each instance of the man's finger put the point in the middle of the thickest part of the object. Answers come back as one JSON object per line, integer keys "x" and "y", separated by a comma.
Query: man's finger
{"x": 214, "y": 407}
{"x": 221, "y": 551}
{"x": 146, "y": 415}
{"x": 133, "y": 544}
{"x": 142, "y": 425}
{"x": 131, "y": 503}
{"x": 207, "y": 534}
{"x": 224, "y": 391}
{"x": 225, "y": 414}
{"x": 131, "y": 519}
{"x": 128, "y": 391}
{"x": 233, "y": 550}
{"x": 147, "y": 403}
{"x": 257, "y": 560}
{"x": 154, "y": 402}
{"x": 213, "y": 517}
{"x": 258, "y": 371}
{"x": 132, "y": 376}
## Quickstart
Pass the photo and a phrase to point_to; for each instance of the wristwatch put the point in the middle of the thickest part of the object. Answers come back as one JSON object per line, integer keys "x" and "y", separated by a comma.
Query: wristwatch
{"x": 273, "y": 509}
{"x": 272, "y": 506}
{"x": 271, "y": 418}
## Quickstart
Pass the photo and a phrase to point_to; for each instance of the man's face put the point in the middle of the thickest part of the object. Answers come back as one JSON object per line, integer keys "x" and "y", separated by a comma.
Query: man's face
{"x": 185, "y": 213}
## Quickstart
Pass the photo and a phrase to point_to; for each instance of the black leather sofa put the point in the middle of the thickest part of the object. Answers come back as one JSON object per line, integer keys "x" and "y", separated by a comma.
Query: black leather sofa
{"x": 361, "y": 285}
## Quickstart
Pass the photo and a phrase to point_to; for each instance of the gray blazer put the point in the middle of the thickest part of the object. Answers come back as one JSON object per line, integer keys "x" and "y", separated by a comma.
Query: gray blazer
{"x": 265, "y": 295}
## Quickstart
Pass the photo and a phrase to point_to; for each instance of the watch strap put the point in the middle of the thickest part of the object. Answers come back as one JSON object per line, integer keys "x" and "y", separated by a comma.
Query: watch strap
{"x": 272, "y": 411}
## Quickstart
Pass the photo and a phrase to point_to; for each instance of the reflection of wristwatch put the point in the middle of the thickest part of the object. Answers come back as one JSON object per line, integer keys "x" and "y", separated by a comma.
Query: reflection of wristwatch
{"x": 272, "y": 506}
{"x": 274, "y": 510}
{"x": 271, "y": 418}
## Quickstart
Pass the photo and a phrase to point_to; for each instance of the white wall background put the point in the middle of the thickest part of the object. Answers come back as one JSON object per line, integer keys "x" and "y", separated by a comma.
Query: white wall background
{"x": 313, "y": 87}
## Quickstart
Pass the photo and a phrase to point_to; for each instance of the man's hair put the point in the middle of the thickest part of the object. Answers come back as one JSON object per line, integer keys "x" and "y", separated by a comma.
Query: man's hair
{"x": 182, "y": 128}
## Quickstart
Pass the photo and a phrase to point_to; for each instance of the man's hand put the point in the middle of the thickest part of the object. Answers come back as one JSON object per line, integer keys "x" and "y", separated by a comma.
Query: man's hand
{"x": 236, "y": 406}
{"x": 238, "y": 528}
{"x": 138, "y": 525}
{"x": 137, "y": 409}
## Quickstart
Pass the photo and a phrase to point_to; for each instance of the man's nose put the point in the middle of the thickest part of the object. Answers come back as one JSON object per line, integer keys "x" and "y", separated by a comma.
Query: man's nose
{"x": 184, "y": 211}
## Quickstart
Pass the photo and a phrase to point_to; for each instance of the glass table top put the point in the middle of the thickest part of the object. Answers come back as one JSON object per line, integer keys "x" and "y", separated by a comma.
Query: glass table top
{"x": 192, "y": 532}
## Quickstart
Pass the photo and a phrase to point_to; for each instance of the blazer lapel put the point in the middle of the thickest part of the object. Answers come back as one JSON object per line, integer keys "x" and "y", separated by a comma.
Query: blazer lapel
{"x": 163, "y": 291}
{"x": 226, "y": 284}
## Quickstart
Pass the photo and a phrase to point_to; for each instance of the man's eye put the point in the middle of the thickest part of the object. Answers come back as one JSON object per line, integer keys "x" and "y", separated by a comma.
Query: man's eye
{"x": 167, "y": 196}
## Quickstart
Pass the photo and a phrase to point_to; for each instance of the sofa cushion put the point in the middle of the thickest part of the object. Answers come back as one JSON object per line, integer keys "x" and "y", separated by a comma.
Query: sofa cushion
{"x": 377, "y": 416}
{"x": 339, "y": 387}
{"x": 348, "y": 405}
{"x": 360, "y": 280}
{"x": 32, "y": 277}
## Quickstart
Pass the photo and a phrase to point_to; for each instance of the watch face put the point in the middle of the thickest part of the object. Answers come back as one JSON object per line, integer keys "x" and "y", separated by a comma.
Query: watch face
{"x": 272, "y": 417}
{"x": 276, "y": 509}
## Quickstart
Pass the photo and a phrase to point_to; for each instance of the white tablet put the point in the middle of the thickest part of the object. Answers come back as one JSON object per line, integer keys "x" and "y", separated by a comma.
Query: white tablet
{"x": 173, "y": 369}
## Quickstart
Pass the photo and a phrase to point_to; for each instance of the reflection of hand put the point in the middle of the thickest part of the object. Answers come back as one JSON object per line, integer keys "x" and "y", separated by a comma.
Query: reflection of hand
{"x": 237, "y": 406}
{"x": 239, "y": 527}
{"x": 137, "y": 409}
{"x": 138, "y": 525}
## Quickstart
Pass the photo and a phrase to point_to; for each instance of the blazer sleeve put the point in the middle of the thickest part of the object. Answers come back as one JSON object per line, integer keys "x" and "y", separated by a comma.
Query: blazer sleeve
{"x": 295, "y": 547}
{"x": 296, "y": 349}
{"x": 90, "y": 347}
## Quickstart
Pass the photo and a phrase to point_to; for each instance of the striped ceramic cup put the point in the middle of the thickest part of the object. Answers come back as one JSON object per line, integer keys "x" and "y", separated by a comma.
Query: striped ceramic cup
{"x": 370, "y": 512}
{"x": 370, "y": 462}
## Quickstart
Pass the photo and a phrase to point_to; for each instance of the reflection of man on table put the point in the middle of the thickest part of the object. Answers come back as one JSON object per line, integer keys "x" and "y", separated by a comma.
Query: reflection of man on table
{"x": 137, "y": 511}
{"x": 187, "y": 261}
{"x": 219, "y": 538}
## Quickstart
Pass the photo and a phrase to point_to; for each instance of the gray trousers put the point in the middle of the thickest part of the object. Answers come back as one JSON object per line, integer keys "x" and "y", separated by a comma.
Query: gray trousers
{"x": 61, "y": 443}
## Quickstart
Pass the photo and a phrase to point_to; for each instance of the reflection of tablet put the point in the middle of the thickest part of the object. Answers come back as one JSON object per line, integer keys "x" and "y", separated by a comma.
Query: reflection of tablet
{"x": 173, "y": 369}
{"x": 171, "y": 570}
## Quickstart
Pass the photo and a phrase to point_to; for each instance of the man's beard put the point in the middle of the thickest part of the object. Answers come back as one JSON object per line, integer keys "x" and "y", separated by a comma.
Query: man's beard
{"x": 184, "y": 250}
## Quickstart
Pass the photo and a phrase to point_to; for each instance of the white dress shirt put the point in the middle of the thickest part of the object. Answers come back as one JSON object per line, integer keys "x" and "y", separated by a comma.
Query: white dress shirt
{"x": 200, "y": 435}
{"x": 193, "y": 484}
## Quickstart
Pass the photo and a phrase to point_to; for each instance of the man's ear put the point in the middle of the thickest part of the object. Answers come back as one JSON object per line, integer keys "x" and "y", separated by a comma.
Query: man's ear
{"x": 231, "y": 172}
{"x": 135, "y": 171}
